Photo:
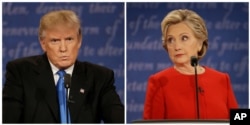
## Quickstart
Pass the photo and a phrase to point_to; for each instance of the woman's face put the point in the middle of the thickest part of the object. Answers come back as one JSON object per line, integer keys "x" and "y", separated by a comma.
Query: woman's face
{"x": 181, "y": 43}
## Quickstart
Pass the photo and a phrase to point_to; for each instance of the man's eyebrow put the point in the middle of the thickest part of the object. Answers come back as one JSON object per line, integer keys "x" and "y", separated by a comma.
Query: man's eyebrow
{"x": 54, "y": 39}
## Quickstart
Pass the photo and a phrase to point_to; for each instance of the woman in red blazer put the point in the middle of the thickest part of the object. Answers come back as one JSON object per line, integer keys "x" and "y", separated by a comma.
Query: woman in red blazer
{"x": 171, "y": 93}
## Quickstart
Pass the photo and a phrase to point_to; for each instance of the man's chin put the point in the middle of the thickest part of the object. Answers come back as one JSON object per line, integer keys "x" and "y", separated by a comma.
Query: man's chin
{"x": 64, "y": 65}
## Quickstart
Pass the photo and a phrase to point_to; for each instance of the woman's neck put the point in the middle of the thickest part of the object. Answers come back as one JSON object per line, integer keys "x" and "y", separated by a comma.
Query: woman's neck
{"x": 188, "y": 69}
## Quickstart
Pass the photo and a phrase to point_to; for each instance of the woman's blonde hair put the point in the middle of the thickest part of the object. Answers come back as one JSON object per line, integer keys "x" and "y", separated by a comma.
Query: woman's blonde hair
{"x": 193, "y": 20}
{"x": 58, "y": 17}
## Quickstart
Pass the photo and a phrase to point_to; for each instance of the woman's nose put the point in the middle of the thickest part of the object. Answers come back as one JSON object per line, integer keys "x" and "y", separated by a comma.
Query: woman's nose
{"x": 177, "y": 46}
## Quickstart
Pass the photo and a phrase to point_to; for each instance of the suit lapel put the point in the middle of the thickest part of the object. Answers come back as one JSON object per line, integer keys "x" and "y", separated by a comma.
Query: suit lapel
{"x": 80, "y": 86}
{"x": 45, "y": 82}
{"x": 78, "y": 91}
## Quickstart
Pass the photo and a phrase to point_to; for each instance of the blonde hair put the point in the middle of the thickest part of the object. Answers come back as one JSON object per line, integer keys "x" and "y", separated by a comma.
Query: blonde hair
{"x": 58, "y": 17}
{"x": 193, "y": 20}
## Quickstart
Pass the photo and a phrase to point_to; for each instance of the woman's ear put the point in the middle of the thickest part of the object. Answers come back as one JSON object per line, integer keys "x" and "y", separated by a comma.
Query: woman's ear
{"x": 200, "y": 45}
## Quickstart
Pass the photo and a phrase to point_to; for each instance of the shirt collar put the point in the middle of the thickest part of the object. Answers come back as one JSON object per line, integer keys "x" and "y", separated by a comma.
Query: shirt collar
{"x": 55, "y": 69}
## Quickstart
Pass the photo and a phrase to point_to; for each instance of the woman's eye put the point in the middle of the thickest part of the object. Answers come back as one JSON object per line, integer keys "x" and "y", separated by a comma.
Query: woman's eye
{"x": 184, "y": 38}
{"x": 170, "y": 40}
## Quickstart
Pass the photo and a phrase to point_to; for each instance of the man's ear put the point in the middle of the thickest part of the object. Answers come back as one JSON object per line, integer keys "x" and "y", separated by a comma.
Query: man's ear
{"x": 43, "y": 46}
{"x": 80, "y": 38}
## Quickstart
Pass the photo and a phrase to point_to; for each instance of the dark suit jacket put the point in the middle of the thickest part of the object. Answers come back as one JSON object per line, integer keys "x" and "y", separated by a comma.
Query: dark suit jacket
{"x": 29, "y": 94}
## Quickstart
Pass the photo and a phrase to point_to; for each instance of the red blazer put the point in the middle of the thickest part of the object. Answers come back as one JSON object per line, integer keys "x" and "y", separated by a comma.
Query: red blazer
{"x": 172, "y": 95}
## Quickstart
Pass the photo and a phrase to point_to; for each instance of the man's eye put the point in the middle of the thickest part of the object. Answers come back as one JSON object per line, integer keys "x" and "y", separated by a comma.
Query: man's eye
{"x": 54, "y": 40}
{"x": 69, "y": 39}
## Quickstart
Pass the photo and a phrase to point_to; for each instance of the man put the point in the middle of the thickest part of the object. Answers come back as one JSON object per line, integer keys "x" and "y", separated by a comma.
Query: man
{"x": 30, "y": 94}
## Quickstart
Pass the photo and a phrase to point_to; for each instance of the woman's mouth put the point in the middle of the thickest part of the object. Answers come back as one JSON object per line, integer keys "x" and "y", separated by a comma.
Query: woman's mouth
{"x": 178, "y": 55}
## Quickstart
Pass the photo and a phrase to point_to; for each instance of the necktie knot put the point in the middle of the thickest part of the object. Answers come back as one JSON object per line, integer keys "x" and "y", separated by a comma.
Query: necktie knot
{"x": 61, "y": 73}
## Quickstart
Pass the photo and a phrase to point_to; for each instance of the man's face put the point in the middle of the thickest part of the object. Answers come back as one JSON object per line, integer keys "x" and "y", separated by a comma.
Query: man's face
{"x": 61, "y": 45}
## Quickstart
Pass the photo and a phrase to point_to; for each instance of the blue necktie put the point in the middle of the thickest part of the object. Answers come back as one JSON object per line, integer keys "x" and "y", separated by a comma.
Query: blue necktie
{"x": 62, "y": 97}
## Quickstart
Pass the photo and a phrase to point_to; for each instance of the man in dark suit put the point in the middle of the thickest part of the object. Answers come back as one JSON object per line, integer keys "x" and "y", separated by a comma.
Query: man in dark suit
{"x": 30, "y": 94}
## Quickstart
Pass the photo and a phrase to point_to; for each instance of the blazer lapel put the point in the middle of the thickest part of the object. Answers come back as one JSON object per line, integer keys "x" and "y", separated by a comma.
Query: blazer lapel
{"x": 45, "y": 82}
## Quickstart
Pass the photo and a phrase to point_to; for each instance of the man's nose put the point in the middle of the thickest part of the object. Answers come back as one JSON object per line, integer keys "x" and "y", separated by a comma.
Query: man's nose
{"x": 63, "y": 46}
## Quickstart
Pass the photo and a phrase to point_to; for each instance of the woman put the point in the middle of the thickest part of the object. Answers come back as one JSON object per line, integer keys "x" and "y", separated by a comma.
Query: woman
{"x": 171, "y": 93}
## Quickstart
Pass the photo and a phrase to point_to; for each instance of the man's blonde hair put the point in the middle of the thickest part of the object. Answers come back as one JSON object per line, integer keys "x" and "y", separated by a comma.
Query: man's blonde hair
{"x": 59, "y": 17}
